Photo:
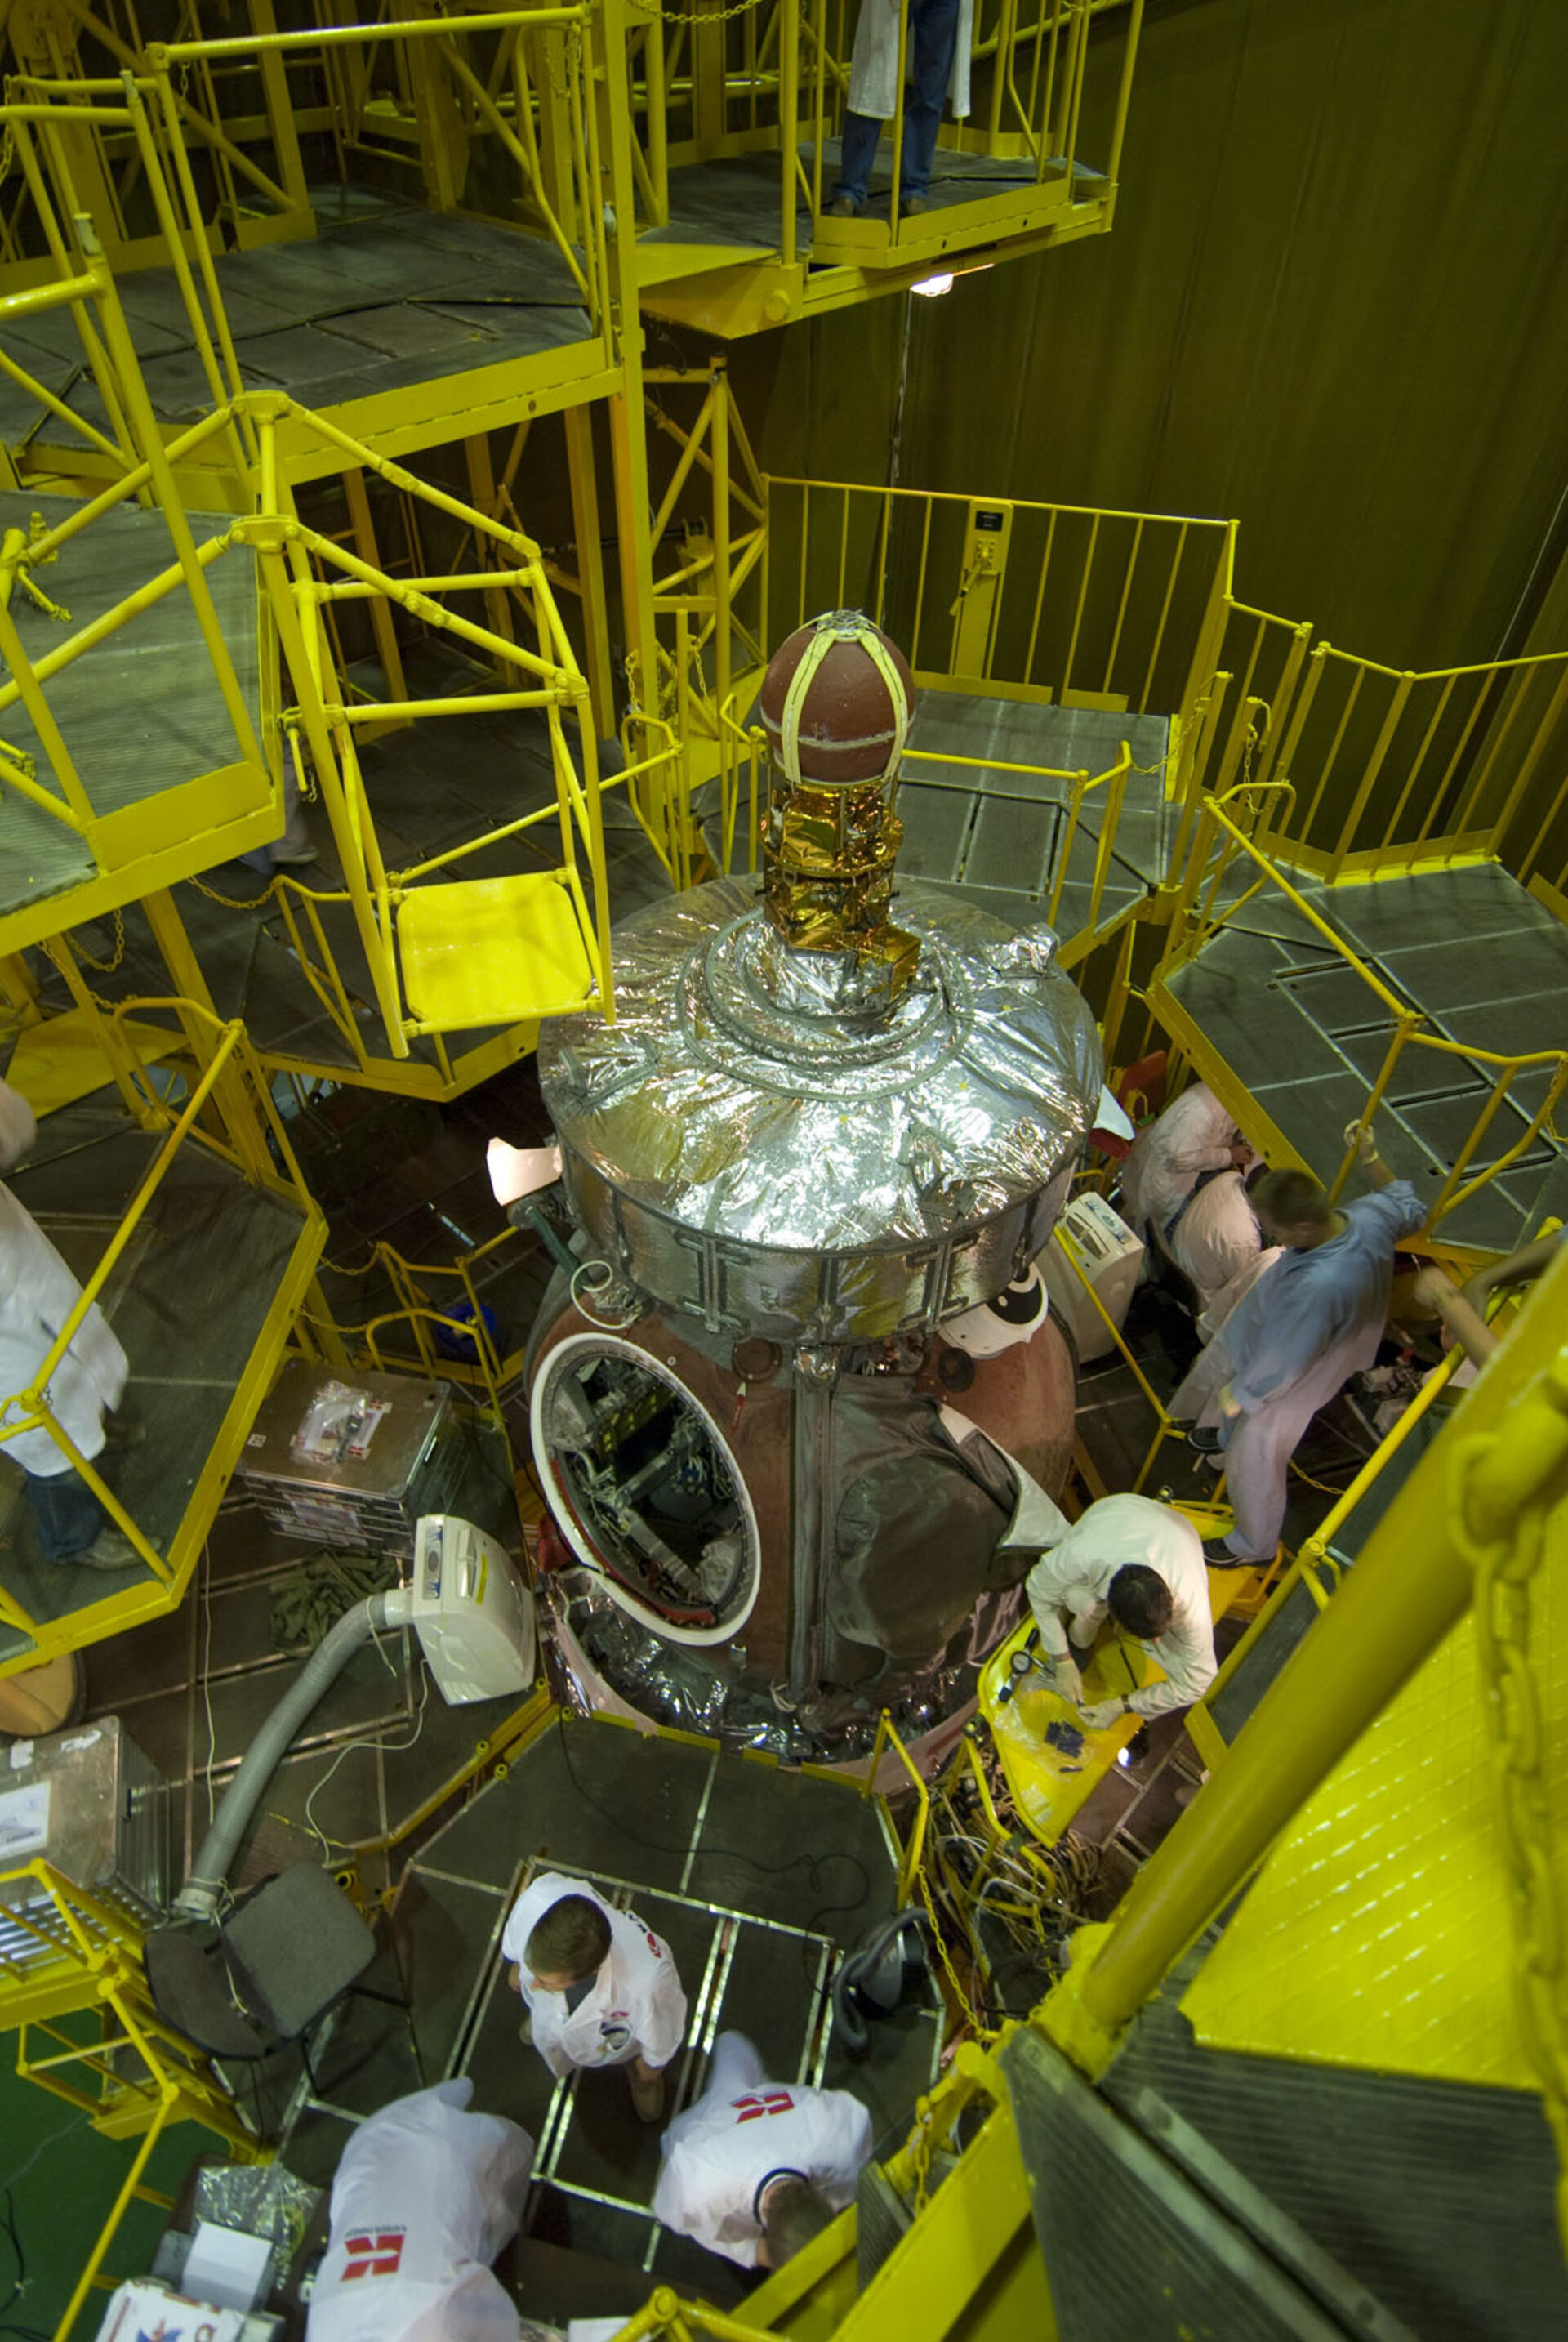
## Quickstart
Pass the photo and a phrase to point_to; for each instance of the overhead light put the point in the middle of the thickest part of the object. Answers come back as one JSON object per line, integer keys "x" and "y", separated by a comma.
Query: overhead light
{"x": 931, "y": 286}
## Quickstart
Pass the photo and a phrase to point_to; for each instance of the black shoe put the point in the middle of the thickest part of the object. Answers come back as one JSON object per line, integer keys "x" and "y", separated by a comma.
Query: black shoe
{"x": 1218, "y": 1555}
{"x": 1207, "y": 1443}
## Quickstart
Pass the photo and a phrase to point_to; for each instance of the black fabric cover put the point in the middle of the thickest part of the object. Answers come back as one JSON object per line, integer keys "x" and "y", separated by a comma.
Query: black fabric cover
{"x": 916, "y": 1524}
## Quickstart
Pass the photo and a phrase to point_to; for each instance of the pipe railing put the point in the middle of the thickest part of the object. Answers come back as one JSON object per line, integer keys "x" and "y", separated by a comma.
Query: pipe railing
{"x": 1196, "y": 922}
{"x": 236, "y": 1139}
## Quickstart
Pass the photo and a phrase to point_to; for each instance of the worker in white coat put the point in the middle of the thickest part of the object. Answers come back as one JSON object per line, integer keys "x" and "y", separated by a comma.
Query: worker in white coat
{"x": 754, "y": 2169}
{"x": 1141, "y": 1564}
{"x": 1195, "y": 1135}
{"x": 426, "y": 2195}
{"x": 37, "y": 1293}
{"x": 1215, "y": 1241}
{"x": 935, "y": 66}
{"x": 600, "y": 1987}
{"x": 1313, "y": 1320}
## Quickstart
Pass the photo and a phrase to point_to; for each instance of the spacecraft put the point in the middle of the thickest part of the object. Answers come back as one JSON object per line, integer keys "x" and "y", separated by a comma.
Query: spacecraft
{"x": 795, "y": 1401}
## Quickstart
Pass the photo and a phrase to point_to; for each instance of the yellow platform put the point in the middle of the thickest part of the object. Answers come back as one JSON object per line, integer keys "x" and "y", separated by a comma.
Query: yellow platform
{"x": 494, "y": 951}
{"x": 1049, "y": 1779}
{"x": 1378, "y": 1934}
{"x": 61, "y": 1059}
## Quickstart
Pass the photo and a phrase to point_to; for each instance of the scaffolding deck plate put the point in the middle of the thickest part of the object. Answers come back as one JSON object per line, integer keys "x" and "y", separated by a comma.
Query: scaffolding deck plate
{"x": 373, "y": 306}
{"x": 140, "y": 713}
{"x": 1272, "y": 1002}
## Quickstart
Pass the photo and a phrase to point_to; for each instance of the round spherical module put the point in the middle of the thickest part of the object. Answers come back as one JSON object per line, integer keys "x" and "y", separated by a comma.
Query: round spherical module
{"x": 847, "y": 719}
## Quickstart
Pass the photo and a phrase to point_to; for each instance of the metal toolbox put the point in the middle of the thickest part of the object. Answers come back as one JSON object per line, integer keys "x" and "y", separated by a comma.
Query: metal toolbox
{"x": 90, "y": 1803}
{"x": 368, "y": 1503}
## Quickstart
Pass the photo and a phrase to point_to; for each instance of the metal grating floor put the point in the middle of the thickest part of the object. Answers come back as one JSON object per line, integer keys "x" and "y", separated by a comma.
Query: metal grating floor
{"x": 373, "y": 303}
{"x": 738, "y": 202}
{"x": 189, "y": 1299}
{"x": 703, "y": 1844}
{"x": 141, "y": 713}
{"x": 1473, "y": 950}
{"x": 1435, "y": 2196}
{"x": 1000, "y": 834}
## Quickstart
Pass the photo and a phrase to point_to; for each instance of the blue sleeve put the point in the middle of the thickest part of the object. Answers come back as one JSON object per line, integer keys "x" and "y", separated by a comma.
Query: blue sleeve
{"x": 1279, "y": 1342}
{"x": 1395, "y": 1211}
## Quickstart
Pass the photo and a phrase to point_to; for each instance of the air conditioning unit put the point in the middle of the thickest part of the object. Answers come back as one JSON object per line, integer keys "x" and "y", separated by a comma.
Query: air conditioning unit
{"x": 1091, "y": 1245}
{"x": 471, "y": 1610}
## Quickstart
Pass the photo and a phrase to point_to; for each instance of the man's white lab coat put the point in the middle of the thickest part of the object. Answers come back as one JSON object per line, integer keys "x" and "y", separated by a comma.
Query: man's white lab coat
{"x": 425, "y": 2196}
{"x": 743, "y": 2131}
{"x": 1195, "y": 1134}
{"x": 635, "y": 2007}
{"x": 1217, "y": 1246}
{"x": 1072, "y": 1579}
{"x": 37, "y": 1293}
{"x": 874, "y": 61}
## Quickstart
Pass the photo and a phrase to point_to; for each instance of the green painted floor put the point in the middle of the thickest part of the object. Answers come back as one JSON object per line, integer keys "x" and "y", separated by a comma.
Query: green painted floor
{"x": 58, "y": 2181}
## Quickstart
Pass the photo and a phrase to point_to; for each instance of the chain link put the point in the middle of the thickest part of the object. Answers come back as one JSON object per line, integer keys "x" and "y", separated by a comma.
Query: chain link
{"x": 234, "y": 902}
{"x": 653, "y": 10}
{"x": 1505, "y": 1570}
{"x": 106, "y": 966}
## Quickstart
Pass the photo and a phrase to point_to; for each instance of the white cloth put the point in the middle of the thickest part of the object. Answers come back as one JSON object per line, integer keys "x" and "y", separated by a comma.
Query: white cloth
{"x": 1195, "y": 1134}
{"x": 745, "y": 2130}
{"x": 425, "y": 2196}
{"x": 1314, "y": 1320}
{"x": 1217, "y": 1246}
{"x": 37, "y": 1293}
{"x": 874, "y": 60}
{"x": 1072, "y": 1579}
{"x": 18, "y": 1126}
{"x": 635, "y": 2008}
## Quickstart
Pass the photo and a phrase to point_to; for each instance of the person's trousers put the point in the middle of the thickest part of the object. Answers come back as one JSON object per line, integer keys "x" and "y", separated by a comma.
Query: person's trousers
{"x": 68, "y": 1513}
{"x": 736, "y": 2068}
{"x": 1257, "y": 1450}
{"x": 928, "y": 62}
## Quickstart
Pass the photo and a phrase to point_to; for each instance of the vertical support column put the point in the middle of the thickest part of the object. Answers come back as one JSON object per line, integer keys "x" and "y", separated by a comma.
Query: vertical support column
{"x": 364, "y": 545}
{"x": 482, "y": 495}
{"x": 627, "y": 427}
{"x": 579, "y": 425}
{"x": 280, "y": 108}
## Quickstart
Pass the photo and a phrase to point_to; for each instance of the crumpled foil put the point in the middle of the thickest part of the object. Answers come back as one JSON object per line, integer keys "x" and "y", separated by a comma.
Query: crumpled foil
{"x": 711, "y": 1692}
{"x": 742, "y": 1093}
{"x": 259, "y": 2199}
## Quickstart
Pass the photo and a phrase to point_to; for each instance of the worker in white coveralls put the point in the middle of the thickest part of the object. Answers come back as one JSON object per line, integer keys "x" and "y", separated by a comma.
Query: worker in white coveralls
{"x": 1313, "y": 1320}
{"x": 935, "y": 67}
{"x": 1141, "y": 1564}
{"x": 426, "y": 2195}
{"x": 1215, "y": 1241}
{"x": 600, "y": 1987}
{"x": 37, "y": 1293}
{"x": 754, "y": 2169}
{"x": 1196, "y": 1134}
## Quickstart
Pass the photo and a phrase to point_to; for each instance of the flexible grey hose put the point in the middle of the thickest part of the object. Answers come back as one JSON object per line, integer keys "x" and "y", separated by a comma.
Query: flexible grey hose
{"x": 198, "y": 1898}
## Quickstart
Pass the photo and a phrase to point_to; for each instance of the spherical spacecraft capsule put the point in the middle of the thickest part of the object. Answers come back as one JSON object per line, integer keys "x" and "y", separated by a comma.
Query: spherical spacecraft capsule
{"x": 801, "y": 1406}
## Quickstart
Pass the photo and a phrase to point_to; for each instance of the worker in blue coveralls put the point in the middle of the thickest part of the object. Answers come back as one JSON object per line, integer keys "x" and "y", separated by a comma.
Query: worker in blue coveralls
{"x": 1310, "y": 1322}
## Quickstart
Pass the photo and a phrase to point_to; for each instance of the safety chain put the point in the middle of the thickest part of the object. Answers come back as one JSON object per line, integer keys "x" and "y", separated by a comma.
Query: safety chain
{"x": 652, "y": 9}
{"x": 106, "y": 966}
{"x": 234, "y": 902}
{"x": 1504, "y": 1569}
{"x": 67, "y": 967}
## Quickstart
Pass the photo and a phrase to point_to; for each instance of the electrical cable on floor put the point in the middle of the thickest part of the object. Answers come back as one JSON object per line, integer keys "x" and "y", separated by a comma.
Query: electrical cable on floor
{"x": 19, "y": 2283}
{"x": 387, "y": 1748}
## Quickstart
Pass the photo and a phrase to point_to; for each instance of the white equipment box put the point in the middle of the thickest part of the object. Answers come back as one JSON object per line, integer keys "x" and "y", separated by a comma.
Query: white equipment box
{"x": 471, "y": 1610}
{"x": 1105, "y": 1247}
